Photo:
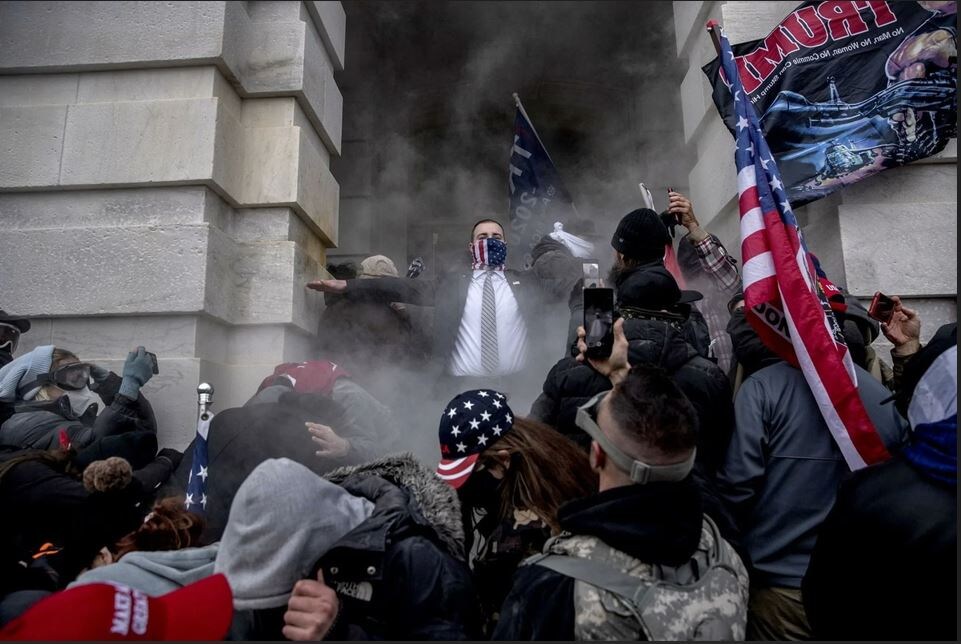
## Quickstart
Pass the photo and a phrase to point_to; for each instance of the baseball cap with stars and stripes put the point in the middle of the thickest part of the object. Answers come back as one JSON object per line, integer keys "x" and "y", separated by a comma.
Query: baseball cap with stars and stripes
{"x": 470, "y": 423}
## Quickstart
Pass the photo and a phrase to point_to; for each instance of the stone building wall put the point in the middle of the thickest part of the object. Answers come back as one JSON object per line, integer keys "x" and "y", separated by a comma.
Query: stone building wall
{"x": 164, "y": 180}
{"x": 896, "y": 231}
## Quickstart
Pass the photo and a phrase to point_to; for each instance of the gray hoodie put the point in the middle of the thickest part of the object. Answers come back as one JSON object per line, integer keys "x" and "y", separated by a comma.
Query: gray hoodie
{"x": 283, "y": 518}
{"x": 155, "y": 573}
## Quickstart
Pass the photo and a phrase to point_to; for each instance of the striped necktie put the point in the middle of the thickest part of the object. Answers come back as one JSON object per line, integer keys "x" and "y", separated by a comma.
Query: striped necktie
{"x": 489, "y": 356}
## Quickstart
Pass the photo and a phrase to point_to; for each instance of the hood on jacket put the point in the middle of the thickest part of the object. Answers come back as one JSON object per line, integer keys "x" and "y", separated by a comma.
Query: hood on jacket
{"x": 22, "y": 371}
{"x": 658, "y": 523}
{"x": 283, "y": 518}
{"x": 434, "y": 503}
{"x": 155, "y": 572}
{"x": 650, "y": 286}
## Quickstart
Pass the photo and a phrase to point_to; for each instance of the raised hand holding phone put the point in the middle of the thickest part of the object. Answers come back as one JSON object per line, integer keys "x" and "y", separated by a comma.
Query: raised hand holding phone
{"x": 616, "y": 365}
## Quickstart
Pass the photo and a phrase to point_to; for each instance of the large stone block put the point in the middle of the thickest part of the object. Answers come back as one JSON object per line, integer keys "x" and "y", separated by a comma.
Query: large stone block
{"x": 139, "y": 142}
{"x": 32, "y": 140}
{"x": 49, "y": 89}
{"x": 713, "y": 179}
{"x": 97, "y": 34}
{"x": 104, "y": 208}
{"x": 97, "y": 271}
{"x": 904, "y": 248}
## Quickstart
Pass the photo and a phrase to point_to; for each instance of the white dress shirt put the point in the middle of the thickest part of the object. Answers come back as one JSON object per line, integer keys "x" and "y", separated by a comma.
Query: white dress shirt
{"x": 511, "y": 330}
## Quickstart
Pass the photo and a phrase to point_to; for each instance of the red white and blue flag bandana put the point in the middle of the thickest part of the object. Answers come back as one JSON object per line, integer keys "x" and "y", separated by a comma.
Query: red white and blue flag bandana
{"x": 489, "y": 253}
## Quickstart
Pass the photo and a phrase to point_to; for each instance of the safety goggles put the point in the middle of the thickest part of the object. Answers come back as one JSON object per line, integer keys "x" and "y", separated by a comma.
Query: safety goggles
{"x": 639, "y": 471}
{"x": 9, "y": 337}
{"x": 72, "y": 377}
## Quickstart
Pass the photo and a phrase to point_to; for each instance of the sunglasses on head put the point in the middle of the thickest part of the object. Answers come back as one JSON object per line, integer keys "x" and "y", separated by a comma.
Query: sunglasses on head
{"x": 639, "y": 471}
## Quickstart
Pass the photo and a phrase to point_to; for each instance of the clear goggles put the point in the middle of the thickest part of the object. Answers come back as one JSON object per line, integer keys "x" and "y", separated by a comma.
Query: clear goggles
{"x": 9, "y": 337}
{"x": 71, "y": 377}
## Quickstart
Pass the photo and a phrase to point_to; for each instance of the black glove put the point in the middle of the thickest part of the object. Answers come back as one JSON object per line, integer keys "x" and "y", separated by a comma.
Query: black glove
{"x": 172, "y": 455}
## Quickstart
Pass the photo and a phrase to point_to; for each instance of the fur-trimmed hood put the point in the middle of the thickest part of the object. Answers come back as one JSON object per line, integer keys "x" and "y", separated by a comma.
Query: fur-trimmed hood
{"x": 436, "y": 501}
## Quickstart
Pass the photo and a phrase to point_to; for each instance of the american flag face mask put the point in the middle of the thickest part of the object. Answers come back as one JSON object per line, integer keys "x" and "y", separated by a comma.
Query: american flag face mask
{"x": 489, "y": 253}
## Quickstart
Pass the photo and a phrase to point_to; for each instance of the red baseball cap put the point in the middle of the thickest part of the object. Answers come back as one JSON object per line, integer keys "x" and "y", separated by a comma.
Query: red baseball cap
{"x": 201, "y": 611}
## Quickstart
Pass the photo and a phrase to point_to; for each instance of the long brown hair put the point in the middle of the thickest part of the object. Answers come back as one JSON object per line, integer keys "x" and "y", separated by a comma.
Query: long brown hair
{"x": 546, "y": 471}
{"x": 169, "y": 526}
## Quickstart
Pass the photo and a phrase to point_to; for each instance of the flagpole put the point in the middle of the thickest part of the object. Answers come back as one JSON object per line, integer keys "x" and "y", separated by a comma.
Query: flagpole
{"x": 517, "y": 101}
{"x": 712, "y": 28}
{"x": 520, "y": 106}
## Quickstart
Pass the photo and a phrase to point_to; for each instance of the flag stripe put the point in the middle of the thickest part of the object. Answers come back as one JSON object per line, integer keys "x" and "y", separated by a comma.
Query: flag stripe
{"x": 784, "y": 302}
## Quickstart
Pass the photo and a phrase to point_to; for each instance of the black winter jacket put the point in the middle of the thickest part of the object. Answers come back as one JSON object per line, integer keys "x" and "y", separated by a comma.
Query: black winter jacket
{"x": 45, "y": 505}
{"x": 241, "y": 438}
{"x": 37, "y": 425}
{"x": 658, "y": 523}
{"x": 656, "y": 342}
{"x": 885, "y": 563}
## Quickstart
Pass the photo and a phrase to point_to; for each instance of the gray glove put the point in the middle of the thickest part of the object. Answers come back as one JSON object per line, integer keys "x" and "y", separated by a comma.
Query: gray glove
{"x": 98, "y": 373}
{"x": 136, "y": 372}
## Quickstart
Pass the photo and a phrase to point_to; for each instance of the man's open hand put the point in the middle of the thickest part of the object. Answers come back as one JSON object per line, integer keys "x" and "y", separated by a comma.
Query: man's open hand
{"x": 903, "y": 329}
{"x": 330, "y": 444}
{"x": 328, "y": 286}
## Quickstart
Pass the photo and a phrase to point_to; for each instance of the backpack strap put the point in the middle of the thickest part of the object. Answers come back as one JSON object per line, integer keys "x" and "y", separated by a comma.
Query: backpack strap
{"x": 596, "y": 574}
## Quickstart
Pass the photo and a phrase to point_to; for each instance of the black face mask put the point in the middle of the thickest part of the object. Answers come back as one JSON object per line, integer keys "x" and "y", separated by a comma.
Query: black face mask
{"x": 748, "y": 348}
{"x": 482, "y": 490}
{"x": 5, "y": 357}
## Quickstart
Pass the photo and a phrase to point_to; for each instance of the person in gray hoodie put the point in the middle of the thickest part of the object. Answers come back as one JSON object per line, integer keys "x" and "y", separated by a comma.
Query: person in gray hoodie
{"x": 283, "y": 518}
{"x": 386, "y": 536}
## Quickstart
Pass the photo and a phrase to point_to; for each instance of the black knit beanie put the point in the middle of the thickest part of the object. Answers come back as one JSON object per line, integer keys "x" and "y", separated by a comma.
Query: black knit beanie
{"x": 641, "y": 235}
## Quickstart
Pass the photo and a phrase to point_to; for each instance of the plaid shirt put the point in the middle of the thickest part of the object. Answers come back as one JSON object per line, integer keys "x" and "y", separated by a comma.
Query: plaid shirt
{"x": 718, "y": 264}
{"x": 721, "y": 271}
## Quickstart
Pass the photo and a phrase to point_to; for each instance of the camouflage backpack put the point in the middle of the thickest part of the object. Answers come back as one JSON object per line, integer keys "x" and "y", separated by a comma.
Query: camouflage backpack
{"x": 617, "y": 597}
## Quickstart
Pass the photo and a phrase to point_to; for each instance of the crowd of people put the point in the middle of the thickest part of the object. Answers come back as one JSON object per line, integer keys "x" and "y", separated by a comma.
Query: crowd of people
{"x": 683, "y": 487}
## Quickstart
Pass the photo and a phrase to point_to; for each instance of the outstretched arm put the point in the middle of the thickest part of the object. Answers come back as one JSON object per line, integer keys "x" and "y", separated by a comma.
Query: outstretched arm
{"x": 386, "y": 289}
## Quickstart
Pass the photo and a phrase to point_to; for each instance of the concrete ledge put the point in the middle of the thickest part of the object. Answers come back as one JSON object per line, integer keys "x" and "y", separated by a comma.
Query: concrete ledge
{"x": 331, "y": 23}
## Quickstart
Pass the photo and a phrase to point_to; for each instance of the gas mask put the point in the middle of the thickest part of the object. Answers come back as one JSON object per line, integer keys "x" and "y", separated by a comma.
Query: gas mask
{"x": 83, "y": 401}
{"x": 489, "y": 253}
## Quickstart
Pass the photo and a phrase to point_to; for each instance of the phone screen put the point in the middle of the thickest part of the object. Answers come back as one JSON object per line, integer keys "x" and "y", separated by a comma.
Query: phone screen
{"x": 599, "y": 321}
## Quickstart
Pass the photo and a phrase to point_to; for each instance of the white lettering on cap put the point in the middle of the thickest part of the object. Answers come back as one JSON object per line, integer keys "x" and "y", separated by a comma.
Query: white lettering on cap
{"x": 121, "y": 611}
{"x": 141, "y": 612}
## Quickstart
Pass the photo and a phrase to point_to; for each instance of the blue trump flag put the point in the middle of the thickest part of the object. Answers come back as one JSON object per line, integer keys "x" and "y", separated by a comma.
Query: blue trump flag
{"x": 538, "y": 197}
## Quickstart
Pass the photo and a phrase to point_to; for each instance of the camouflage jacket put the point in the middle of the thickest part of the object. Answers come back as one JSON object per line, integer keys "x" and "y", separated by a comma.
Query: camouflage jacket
{"x": 703, "y": 599}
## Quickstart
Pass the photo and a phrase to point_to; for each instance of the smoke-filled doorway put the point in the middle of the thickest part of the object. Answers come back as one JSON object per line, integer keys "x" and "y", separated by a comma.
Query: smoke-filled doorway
{"x": 428, "y": 115}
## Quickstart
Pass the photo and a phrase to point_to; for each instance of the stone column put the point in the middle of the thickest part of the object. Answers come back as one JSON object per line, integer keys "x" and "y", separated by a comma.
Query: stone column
{"x": 164, "y": 181}
{"x": 896, "y": 231}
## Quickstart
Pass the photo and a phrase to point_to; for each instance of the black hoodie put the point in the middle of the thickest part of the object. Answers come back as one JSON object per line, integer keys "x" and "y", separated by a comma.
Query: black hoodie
{"x": 657, "y": 523}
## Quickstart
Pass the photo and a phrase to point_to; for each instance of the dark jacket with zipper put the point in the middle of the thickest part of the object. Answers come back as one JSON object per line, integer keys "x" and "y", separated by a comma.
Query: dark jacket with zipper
{"x": 658, "y": 523}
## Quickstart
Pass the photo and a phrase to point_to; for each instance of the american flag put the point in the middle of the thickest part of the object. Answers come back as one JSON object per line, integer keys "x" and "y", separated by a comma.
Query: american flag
{"x": 196, "y": 500}
{"x": 489, "y": 253}
{"x": 782, "y": 298}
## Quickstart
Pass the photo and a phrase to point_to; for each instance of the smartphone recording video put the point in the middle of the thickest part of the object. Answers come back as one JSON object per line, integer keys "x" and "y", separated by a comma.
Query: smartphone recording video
{"x": 599, "y": 321}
